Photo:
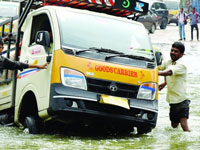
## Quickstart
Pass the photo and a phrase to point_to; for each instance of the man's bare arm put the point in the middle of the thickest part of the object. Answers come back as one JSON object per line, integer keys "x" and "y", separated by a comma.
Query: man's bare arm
{"x": 165, "y": 73}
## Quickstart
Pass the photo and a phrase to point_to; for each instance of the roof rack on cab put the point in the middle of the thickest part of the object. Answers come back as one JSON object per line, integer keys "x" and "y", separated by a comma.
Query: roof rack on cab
{"x": 123, "y": 8}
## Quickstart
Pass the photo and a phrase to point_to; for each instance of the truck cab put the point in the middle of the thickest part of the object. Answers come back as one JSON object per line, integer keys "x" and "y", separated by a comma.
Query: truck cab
{"x": 102, "y": 71}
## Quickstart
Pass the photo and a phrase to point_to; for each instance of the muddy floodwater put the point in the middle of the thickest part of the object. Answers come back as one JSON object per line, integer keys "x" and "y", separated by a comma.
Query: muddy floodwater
{"x": 163, "y": 137}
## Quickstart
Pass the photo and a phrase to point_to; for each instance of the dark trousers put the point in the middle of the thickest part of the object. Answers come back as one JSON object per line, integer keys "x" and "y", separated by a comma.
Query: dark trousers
{"x": 192, "y": 28}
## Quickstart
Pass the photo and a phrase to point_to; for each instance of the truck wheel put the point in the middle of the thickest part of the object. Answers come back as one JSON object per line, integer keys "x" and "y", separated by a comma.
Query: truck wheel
{"x": 121, "y": 130}
{"x": 126, "y": 130}
{"x": 32, "y": 123}
{"x": 143, "y": 130}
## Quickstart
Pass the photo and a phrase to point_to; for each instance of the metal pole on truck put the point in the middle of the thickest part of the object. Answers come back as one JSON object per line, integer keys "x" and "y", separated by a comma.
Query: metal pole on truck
{"x": 23, "y": 14}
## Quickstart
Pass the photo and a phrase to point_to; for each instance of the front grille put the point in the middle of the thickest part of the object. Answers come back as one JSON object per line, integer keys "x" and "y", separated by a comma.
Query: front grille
{"x": 102, "y": 87}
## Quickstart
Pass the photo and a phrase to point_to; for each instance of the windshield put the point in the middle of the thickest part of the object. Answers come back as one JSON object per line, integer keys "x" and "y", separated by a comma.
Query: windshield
{"x": 84, "y": 31}
{"x": 8, "y": 10}
{"x": 172, "y": 5}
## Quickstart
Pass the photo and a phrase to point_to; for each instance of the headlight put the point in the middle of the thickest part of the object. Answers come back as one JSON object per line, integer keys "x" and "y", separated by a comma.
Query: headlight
{"x": 147, "y": 91}
{"x": 73, "y": 78}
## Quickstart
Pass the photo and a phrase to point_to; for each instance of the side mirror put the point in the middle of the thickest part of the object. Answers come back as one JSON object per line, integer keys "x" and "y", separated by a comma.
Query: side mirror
{"x": 48, "y": 58}
{"x": 43, "y": 38}
{"x": 158, "y": 58}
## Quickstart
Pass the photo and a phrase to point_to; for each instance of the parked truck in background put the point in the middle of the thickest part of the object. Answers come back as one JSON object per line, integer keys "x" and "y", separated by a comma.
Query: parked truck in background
{"x": 102, "y": 68}
{"x": 9, "y": 13}
{"x": 173, "y": 7}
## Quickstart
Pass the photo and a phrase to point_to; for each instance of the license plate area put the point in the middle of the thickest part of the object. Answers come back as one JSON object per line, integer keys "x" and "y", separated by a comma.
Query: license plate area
{"x": 112, "y": 100}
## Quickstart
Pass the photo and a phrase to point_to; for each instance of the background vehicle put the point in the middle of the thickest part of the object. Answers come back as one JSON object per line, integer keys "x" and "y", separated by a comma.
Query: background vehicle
{"x": 94, "y": 78}
{"x": 159, "y": 8}
{"x": 8, "y": 10}
{"x": 173, "y": 7}
{"x": 150, "y": 21}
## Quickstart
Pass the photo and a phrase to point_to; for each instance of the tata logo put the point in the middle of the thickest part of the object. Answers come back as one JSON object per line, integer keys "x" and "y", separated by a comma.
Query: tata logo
{"x": 113, "y": 87}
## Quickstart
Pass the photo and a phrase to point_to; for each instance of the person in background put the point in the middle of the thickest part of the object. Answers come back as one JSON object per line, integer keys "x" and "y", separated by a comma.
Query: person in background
{"x": 175, "y": 73}
{"x": 182, "y": 18}
{"x": 6, "y": 63}
{"x": 194, "y": 22}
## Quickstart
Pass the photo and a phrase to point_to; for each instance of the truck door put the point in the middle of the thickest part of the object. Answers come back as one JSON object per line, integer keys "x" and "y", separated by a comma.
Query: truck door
{"x": 39, "y": 53}
{"x": 32, "y": 53}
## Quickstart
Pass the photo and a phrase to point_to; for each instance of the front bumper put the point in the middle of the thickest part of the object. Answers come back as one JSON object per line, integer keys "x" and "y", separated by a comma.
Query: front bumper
{"x": 75, "y": 105}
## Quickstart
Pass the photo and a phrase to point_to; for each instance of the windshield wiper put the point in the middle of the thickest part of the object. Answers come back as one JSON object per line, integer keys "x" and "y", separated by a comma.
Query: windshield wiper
{"x": 74, "y": 51}
{"x": 98, "y": 50}
{"x": 83, "y": 50}
{"x": 105, "y": 50}
{"x": 130, "y": 56}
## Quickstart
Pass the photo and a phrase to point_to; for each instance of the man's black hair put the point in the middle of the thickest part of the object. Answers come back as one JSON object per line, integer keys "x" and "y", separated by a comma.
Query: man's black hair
{"x": 179, "y": 46}
{"x": 1, "y": 41}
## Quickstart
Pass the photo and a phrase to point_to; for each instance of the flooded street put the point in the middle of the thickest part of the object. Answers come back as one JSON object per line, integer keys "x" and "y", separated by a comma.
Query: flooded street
{"x": 163, "y": 137}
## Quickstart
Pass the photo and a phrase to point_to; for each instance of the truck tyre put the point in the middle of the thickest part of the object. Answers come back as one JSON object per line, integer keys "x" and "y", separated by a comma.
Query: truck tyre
{"x": 121, "y": 130}
{"x": 143, "y": 130}
{"x": 126, "y": 130}
{"x": 32, "y": 123}
{"x": 164, "y": 23}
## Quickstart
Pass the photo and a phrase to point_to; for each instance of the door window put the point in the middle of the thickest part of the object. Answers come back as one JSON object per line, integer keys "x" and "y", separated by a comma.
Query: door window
{"x": 41, "y": 23}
